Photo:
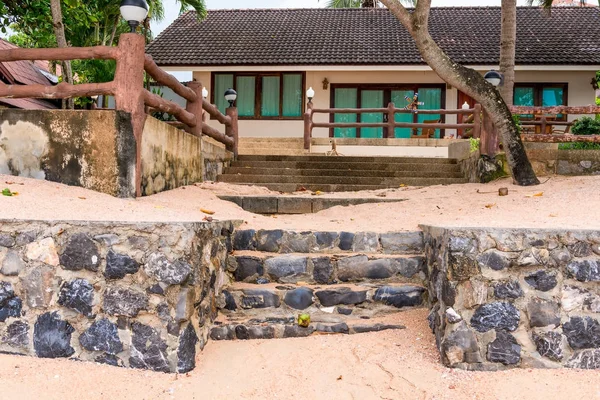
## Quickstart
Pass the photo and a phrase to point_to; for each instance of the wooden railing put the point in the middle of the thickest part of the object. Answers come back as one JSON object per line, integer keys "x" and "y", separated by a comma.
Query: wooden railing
{"x": 543, "y": 122}
{"x": 128, "y": 90}
{"x": 391, "y": 124}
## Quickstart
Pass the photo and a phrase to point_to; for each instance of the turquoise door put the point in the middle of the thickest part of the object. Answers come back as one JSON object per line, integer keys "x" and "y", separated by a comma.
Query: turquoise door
{"x": 345, "y": 98}
{"x": 398, "y": 97}
{"x": 432, "y": 99}
{"x": 371, "y": 99}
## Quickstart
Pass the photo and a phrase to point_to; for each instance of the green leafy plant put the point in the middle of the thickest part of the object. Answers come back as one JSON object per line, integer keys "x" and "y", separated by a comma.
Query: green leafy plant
{"x": 579, "y": 146}
{"x": 474, "y": 144}
{"x": 586, "y": 126}
{"x": 517, "y": 120}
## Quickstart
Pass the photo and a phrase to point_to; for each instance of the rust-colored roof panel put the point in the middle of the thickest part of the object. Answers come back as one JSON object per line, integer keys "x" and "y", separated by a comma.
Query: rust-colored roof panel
{"x": 23, "y": 72}
{"x": 28, "y": 104}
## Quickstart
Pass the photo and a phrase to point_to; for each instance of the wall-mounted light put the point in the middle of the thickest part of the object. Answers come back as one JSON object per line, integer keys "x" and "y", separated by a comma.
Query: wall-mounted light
{"x": 310, "y": 93}
{"x": 325, "y": 84}
{"x": 230, "y": 96}
{"x": 134, "y": 12}
{"x": 494, "y": 77}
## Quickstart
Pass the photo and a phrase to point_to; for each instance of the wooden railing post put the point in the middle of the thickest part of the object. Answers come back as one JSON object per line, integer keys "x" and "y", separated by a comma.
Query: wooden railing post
{"x": 308, "y": 125}
{"x": 231, "y": 129}
{"x": 129, "y": 87}
{"x": 543, "y": 124}
{"x": 195, "y": 107}
{"x": 391, "y": 120}
{"x": 477, "y": 121}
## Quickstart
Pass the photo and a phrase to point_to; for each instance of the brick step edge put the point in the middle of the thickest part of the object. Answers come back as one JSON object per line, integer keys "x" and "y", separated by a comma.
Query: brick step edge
{"x": 283, "y": 241}
{"x": 384, "y": 298}
{"x": 280, "y": 331}
{"x": 325, "y": 269}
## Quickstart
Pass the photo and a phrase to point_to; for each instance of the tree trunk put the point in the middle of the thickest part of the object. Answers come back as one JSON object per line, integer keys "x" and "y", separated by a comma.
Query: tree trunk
{"x": 470, "y": 82}
{"x": 508, "y": 39}
{"x": 59, "y": 31}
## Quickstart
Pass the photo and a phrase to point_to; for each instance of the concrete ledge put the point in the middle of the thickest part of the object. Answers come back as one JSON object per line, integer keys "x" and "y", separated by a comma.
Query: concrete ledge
{"x": 296, "y": 205}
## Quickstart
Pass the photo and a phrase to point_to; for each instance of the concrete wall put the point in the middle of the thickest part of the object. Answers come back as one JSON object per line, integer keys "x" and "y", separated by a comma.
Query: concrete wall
{"x": 172, "y": 157}
{"x": 92, "y": 149}
{"x": 548, "y": 159}
{"x": 580, "y": 93}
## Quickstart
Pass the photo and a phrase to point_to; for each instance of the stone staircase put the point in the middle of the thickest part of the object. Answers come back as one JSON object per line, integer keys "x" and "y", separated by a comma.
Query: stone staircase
{"x": 289, "y": 173}
{"x": 345, "y": 281}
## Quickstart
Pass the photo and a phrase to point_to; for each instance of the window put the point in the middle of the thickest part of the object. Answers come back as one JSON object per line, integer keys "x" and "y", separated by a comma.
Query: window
{"x": 540, "y": 94}
{"x": 262, "y": 95}
{"x": 378, "y": 96}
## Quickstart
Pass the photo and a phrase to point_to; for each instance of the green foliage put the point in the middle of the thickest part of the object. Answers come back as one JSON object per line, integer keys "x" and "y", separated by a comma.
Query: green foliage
{"x": 579, "y": 146}
{"x": 586, "y": 126}
{"x": 517, "y": 121}
{"x": 6, "y": 192}
{"x": 474, "y": 144}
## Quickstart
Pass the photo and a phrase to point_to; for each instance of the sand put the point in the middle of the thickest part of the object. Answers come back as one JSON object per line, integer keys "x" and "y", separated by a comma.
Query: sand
{"x": 561, "y": 202}
{"x": 400, "y": 364}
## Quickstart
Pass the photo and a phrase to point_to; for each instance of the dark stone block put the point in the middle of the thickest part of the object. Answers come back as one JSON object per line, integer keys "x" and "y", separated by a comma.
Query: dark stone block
{"x": 148, "y": 349}
{"x": 81, "y": 252}
{"x": 335, "y": 328}
{"x": 119, "y": 265}
{"x": 294, "y": 331}
{"x": 346, "y": 240}
{"x": 582, "y": 333}
{"x": 462, "y": 267}
{"x": 17, "y": 335}
{"x": 244, "y": 240}
{"x": 326, "y": 240}
{"x": 375, "y": 328}
{"x": 585, "y": 270}
{"x": 224, "y": 332}
{"x": 504, "y": 349}
{"x": 508, "y": 290}
{"x": 122, "y": 301}
{"x": 6, "y": 292}
{"x": 171, "y": 273}
{"x": 543, "y": 313}
{"x": 298, "y": 242}
{"x": 497, "y": 315}
{"x": 283, "y": 267}
{"x": 258, "y": 298}
{"x": 541, "y": 280}
{"x": 248, "y": 267}
{"x": 580, "y": 249}
{"x": 11, "y": 308}
{"x": 585, "y": 359}
{"x": 229, "y": 301}
{"x": 342, "y": 295}
{"x": 448, "y": 294}
{"x": 400, "y": 296}
{"x": 269, "y": 241}
{"x": 344, "y": 311}
{"x": 102, "y": 335}
{"x": 402, "y": 242}
{"x": 299, "y": 298}
{"x": 460, "y": 346}
{"x": 52, "y": 336}
{"x": 186, "y": 352}
{"x": 24, "y": 238}
{"x": 241, "y": 332}
{"x": 109, "y": 359}
{"x": 156, "y": 289}
{"x": 323, "y": 270}
{"x": 494, "y": 260}
{"x": 12, "y": 264}
{"x": 6, "y": 240}
{"x": 408, "y": 267}
{"x": 549, "y": 345}
{"x": 260, "y": 204}
{"x": 261, "y": 332}
{"x": 77, "y": 295}
{"x": 262, "y": 281}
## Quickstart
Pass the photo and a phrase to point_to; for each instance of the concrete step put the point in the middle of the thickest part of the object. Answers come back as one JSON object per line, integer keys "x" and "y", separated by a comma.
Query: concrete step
{"x": 278, "y": 241}
{"x": 339, "y": 180}
{"x": 346, "y": 165}
{"x": 293, "y": 187}
{"x": 417, "y": 173}
{"x": 331, "y": 269}
{"x": 355, "y": 159}
{"x": 271, "y": 311}
{"x": 270, "y": 151}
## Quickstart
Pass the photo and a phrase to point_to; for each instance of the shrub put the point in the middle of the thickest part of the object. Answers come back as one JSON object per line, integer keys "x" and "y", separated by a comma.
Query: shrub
{"x": 586, "y": 126}
{"x": 517, "y": 120}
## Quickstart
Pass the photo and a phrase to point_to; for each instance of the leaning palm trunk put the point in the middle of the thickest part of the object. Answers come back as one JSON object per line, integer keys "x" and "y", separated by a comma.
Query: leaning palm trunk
{"x": 59, "y": 31}
{"x": 468, "y": 81}
{"x": 508, "y": 40}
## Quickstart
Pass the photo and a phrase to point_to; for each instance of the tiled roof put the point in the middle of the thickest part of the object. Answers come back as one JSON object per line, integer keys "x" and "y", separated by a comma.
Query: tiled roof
{"x": 318, "y": 36}
{"x": 23, "y": 72}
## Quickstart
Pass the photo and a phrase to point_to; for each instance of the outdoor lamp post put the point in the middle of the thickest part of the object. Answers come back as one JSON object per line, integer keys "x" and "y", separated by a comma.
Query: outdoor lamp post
{"x": 494, "y": 77}
{"x": 204, "y": 93}
{"x": 230, "y": 96}
{"x": 310, "y": 93}
{"x": 134, "y": 12}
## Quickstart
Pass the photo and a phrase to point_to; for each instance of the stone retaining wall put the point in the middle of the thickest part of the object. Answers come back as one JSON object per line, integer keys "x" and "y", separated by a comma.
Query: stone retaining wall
{"x": 514, "y": 298}
{"x": 137, "y": 295}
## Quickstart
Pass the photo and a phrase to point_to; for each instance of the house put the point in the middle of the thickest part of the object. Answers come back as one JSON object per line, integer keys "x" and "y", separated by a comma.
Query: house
{"x": 26, "y": 73}
{"x": 364, "y": 58}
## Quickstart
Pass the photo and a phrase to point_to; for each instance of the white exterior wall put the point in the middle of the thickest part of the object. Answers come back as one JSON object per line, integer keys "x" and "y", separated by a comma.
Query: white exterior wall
{"x": 580, "y": 92}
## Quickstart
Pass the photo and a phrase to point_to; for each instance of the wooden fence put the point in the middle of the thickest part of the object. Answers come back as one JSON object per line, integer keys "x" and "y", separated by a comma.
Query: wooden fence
{"x": 391, "y": 124}
{"x": 128, "y": 90}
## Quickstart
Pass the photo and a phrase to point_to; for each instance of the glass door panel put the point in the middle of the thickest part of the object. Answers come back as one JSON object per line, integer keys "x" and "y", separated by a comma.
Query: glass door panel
{"x": 399, "y": 100}
{"x": 371, "y": 99}
{"x": 432, "y": 99}
{"x": 345, "y": 98}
